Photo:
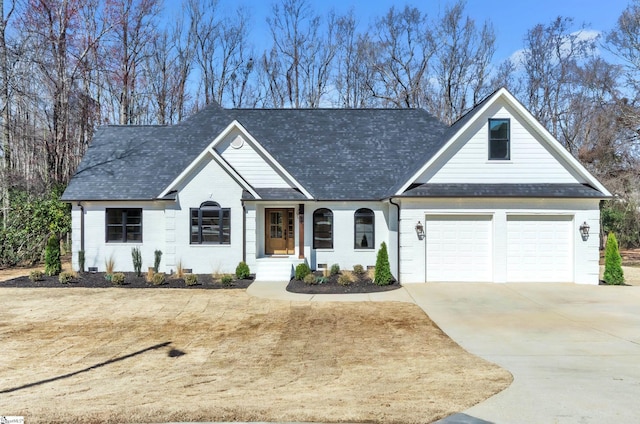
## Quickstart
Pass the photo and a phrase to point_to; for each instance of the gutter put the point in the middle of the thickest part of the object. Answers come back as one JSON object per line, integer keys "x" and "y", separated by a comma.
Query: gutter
{"x": 398, "y": 237}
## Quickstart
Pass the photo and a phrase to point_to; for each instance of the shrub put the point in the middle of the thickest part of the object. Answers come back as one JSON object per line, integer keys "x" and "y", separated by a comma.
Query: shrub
{"x": 81, "y": 260}
{"x": 109, "y": 265}
{"x": 321, "y": 280}
{"x": 310, "y": 279}
{"x": 157, "y": 256}
{"x": 117, "y": 278}
{"x": 52, "y": 263}
{"x": 358, "y": 270}
{"x": 35, "y": 275}
{"x": 242, "y": 271}
{"x": 191, "y": 279}
{"x": 65, "y": 277}
{"x": 226, "y": 280}
{"x": 150, "y": 274}
{"x": 179, "y": 270}
{"x": 613, "y": 273}
{"x": 382, "y": 276}
{"x": 302, "y": 270}
{"x": 344, "y": 279}
{"x": 335, "y": 269}
{"x": 158, "y": 279}
{"x": 137, "y": 260}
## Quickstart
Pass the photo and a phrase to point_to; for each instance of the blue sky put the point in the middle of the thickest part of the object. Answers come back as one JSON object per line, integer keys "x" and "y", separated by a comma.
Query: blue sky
{"x": 511, "y": 18}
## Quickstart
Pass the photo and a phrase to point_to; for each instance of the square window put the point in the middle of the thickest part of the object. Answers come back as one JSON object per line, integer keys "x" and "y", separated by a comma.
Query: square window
{"x": 499, "y": 139}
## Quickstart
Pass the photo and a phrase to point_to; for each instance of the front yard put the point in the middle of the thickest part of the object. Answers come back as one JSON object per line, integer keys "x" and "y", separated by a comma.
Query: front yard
{"x": 79, "y": 355}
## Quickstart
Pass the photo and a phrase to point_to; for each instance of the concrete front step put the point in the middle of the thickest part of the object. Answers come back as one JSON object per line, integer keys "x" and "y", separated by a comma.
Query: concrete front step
{"x": 276, "y": 269}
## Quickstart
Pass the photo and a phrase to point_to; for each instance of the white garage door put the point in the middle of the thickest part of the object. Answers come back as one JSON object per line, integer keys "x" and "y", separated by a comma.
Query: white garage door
{"x": 458, "y": 248}
{"x": 539, "y": 248}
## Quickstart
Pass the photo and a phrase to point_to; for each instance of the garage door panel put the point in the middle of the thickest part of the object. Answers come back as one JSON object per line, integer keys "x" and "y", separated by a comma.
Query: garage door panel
{"x": 458, "y": 247}
{"x": 539, "y": 248}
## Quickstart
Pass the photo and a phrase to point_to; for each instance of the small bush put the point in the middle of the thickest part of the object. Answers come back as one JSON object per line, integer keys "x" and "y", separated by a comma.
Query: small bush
{"x": 344, "y": 279}
{"x": 117, "y": 278}
{"x": 158, "y": 279}
{"x": 358, "y": 270}
{"x": 191, "y": 279}
{"x": 310, "y": 279}
{"x": 302, "y": 270}
{"x": 179, "y": 270}
{"x": 136, "y": 256}
{"x": 382, "y": 274}
{"x": 157, "y": 256}
{"x": 226, "y": 280}
{"x": 150, "y": 274}
{"x": 81, "y": 260}
{"x": 242, "y": 271}
{"x": 322, "y": 280}
{"x": 335, "y": 269}
{"x": 613, "y": 273}
{"x": 35, "y": 275}
{"x": 109, "y": 265}
{"x": 52, "y": 262}
{"x": 65, "y": 277}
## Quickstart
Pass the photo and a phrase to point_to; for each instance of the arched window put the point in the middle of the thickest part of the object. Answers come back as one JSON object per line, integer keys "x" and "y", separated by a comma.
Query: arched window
{"x": 322, "y": 229}
{"x": 364, "y": 229}
{"x": 210, "y": 224}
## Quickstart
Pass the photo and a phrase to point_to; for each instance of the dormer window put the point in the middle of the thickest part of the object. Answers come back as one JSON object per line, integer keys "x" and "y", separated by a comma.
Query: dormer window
{"x": 499, "y": 139}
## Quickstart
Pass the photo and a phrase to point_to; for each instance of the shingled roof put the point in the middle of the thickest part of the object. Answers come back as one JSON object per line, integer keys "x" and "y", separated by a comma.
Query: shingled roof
{"x": 335, "y": 154}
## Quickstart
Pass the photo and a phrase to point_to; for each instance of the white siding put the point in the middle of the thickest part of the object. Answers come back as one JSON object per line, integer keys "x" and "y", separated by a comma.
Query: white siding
{"x": 467, "y": 159}
{"x": 249, "y": 163}
{"x": 584, "y": 256}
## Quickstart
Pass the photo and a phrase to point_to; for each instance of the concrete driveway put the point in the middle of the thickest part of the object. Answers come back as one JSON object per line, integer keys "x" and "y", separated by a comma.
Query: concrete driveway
{"x": 574, "y": 351}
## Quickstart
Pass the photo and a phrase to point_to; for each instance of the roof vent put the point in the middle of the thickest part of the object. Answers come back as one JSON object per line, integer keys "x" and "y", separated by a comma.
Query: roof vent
{"x": 237, "y": 142}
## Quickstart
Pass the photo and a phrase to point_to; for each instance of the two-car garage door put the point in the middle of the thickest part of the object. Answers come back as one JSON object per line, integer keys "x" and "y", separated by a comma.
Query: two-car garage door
{"x": 539, "y": 248}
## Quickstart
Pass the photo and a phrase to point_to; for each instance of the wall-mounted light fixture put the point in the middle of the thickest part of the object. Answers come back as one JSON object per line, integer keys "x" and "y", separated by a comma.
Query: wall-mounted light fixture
{"x": 420, "y": 230}
{"x": 584, "y": 231}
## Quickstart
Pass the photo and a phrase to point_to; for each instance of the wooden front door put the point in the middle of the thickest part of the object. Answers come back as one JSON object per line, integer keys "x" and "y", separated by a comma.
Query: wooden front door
{"x": 279, "y": 231}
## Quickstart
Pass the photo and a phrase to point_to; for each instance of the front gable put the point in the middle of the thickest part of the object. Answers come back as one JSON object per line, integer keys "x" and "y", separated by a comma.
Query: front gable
{"x": 535, "y": 156}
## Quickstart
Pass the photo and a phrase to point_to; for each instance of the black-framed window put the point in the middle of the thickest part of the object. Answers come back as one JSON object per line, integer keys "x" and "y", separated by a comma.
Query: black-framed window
{"x": 322, "y": 229}
{"x": 499, "y": 139}
{"x": 210, "y": 224}
{"x": 123, "y": 225}
{"x": 364, "y": 229}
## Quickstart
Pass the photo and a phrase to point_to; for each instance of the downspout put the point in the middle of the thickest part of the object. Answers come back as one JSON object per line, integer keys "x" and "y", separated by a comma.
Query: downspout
{"x": 244, "y": 232}
{"x": 81, "y": 226}
{"x": 398, "y": 237}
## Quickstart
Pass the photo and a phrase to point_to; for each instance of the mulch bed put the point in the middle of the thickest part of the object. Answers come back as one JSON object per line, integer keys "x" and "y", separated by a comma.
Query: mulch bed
{"x": 97, "y": 280}
{"x": 331, "y": 286}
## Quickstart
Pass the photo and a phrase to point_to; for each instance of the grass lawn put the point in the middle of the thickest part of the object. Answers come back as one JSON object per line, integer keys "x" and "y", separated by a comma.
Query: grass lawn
{"x": 78, "y": 355}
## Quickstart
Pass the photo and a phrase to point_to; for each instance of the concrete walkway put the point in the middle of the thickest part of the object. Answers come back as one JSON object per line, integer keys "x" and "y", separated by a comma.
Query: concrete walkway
{"x": 574, "y": 351}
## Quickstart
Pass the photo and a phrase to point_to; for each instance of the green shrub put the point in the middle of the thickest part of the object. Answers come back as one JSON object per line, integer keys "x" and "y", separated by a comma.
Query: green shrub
{"x": 382, "y": 276}
{"x": 310, "y": 279}
{"x": 191, "y": 279}
{"x": 613, "y": 273}
{"x": 117, "y": 278}
{"x": 35, "y": 275}
{"x": 242, "y": 271}
{"x": 65, "y": 277}
{"x": 52, "y": 262}
{"x": 81, "y": 260}
{"x": 226, "y": 280}
{"x": 321, "y": 280}
{"x": 344, "y": 280}
{"x": 157, "y": 256}
{"x": 136, "y": 256}
{"x": 359, "y": 270}
{"x": 335, "y": 269}
{"x": 158, "y": 279}
{"x": 302, "y": 270}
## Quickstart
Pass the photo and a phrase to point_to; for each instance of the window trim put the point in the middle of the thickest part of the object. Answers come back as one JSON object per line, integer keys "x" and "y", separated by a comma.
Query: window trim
{"x": 316, "y": 213}
{"x": 123, "y": 224}
{"x": 210, "y": 206}
{"x": 368, "y": 213}
{"x": 508, "y": 139}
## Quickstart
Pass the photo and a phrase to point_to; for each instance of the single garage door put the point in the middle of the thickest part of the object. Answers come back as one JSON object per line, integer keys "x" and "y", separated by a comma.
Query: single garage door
{"x": 539, "y": 248}
{"x": 459, "y": 247}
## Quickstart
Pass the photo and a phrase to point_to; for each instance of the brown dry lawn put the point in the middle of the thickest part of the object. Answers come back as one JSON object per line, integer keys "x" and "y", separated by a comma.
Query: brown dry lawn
{"x": 77, "y": 355}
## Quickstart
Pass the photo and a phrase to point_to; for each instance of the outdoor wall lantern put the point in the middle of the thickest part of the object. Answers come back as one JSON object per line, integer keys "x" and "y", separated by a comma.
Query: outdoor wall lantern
{"x": 584, "y": 231}
{"x": 420, "y": 230}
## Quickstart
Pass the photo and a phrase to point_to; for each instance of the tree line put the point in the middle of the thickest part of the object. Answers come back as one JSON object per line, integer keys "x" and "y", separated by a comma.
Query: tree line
{"x": 68, "y": 66}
